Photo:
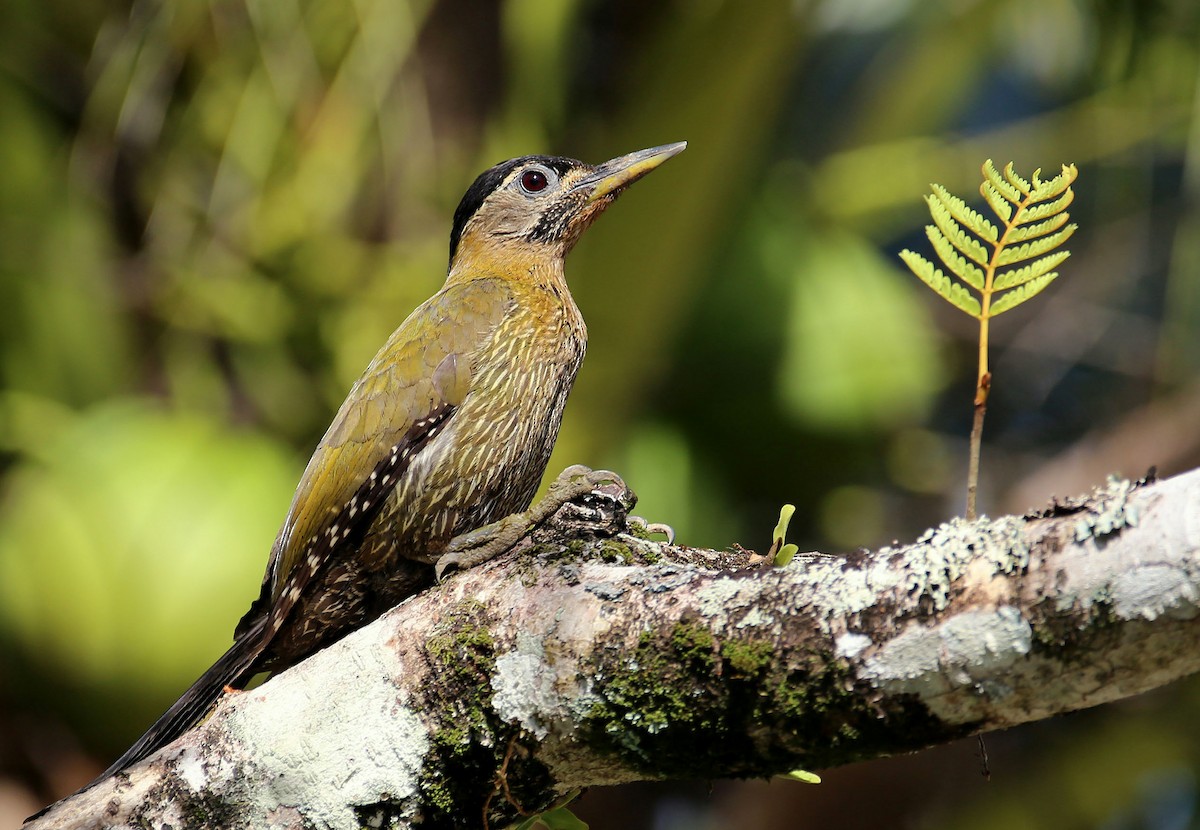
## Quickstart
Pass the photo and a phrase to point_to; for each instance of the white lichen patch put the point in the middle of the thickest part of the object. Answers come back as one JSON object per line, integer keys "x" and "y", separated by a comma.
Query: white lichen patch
{"x": 850, "y": 590}
{"x": 311, "y": 753}
{"x": 973, "y": 651}
{"x": 850, "y": 645}
{"x": 1144, "y": 572}
{"x": 755, "y": 618}
{"x": 190, "y": 767}
{"x": 1153, "y": 590}
{"x": 1108, "y": 510}
{"x": 719, "y": 597}
{"x": 944, "y": 554}
{"x": 525, "y": 688}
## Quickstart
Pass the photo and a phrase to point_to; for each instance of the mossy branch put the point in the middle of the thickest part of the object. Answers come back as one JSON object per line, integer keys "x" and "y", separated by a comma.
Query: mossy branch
{"x": 520, "y": 681}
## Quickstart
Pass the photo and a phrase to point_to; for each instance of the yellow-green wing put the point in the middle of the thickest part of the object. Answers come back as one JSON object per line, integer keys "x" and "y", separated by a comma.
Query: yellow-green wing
{"x": 425, "y": 366}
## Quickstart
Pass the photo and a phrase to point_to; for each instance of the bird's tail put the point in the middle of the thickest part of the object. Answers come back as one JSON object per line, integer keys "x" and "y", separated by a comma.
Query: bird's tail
{"x": 233, "y": 668}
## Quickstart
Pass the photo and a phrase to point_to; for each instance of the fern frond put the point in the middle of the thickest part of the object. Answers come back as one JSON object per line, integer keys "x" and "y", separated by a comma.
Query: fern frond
{"x": 973, "y": 219}
{"x": 1002, "y": 186}
{"x": 1036, "y": 212}
{"x": 1029, "y": 250}
{"x": 974, "y": 249}
{"x": 955, "y": 233}
{"x": 1023, "y": 232}
{"x": 1019, "y": 276}
{"x": 1018, "y": 295}
{"x": 996, "y": 201}
{"x": 966, "y": 271}
{"x": 946, "y": 288}
{"x": 1016, "y": 181}
{"x": 1033, "y": 222}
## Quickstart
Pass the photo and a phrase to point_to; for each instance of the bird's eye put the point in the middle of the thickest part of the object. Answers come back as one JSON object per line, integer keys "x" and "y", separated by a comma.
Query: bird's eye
{"x": 533, "y": 181}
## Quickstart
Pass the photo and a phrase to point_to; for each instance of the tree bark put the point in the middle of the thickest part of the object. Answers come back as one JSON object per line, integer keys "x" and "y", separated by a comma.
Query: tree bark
{"x": 583, "y": 660}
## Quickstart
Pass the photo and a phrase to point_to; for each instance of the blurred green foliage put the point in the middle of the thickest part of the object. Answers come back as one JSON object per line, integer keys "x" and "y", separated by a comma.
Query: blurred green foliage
{"x": 128, "y": 498}
{"x": 214, "y": 211}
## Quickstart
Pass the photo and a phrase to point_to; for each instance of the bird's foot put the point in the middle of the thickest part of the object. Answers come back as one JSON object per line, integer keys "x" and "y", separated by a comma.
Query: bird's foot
{"x": 582, "y": 501}
{"x": 585, "y": 497}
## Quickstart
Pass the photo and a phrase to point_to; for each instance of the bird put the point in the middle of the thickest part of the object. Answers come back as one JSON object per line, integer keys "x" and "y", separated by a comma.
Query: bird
{"x": 433, "y": 459}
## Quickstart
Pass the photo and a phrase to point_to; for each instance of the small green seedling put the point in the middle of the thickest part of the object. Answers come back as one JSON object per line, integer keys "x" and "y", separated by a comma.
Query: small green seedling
{"x": 781, "y": 553}
{"x": 802, "y": 775}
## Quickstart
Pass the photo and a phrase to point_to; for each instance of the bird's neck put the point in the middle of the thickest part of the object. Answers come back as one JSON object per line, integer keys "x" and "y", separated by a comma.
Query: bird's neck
{"x": 517, "y": 265}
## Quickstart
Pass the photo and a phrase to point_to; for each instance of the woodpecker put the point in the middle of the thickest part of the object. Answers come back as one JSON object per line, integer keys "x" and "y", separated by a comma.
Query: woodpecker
{"x": 434, "y": 458}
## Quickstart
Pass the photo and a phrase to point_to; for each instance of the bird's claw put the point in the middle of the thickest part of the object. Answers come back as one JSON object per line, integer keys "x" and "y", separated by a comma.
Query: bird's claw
{"x": 653, "y": 527}
{"x": 449, "y": 560}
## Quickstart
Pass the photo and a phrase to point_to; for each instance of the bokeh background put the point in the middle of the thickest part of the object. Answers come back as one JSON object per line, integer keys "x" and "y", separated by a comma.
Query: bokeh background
{"x": 212, "y": 212}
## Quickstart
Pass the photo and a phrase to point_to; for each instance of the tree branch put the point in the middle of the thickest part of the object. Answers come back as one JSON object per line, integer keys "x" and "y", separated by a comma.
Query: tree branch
{"x": 522, "y": 680}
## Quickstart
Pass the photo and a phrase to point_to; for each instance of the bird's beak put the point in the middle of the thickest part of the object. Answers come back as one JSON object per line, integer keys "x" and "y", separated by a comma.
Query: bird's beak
{"x": 612, "y": 176}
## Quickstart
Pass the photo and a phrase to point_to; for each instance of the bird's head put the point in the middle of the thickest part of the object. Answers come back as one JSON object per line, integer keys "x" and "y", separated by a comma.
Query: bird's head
{"x": 535, "y": 207}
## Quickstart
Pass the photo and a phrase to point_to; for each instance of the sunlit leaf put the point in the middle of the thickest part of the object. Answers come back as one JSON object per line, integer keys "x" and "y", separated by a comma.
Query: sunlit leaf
{"x": 1019, "y": 276}
{"x": 1020, "y": 294}
{"x": 1023, "y": 232}
{"x": 1041, "y": 211}
{"x": 957, "y": 263}
{"x": 786, "y": 554}
{"x": 1049, "y": 189}
{"x": 996, "y": 201}
{"x": 959, "y": 209}
{"x": 785, "y": 517}
{"x": 966, "y": 243}
{"x": 803, "y": 776}
{"x": 952, "y": 292}
{"x": 1001, "y": 185}
{"x": 783, "y": 553}
{"x": 1015, "y": 180}
{"x": 1029, "y": 250}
